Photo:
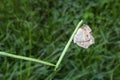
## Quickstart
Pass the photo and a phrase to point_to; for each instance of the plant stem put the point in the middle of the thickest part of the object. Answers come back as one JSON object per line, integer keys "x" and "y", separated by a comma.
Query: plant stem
{"x": 67, "y": 45}
{"x": 26, "y": 58}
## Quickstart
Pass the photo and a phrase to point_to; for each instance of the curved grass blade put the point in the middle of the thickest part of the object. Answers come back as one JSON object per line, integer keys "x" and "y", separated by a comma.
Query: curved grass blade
{"x": 26, "y": 58}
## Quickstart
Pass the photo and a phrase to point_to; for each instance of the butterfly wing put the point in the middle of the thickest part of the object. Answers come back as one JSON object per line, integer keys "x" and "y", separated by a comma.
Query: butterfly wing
{"x": 86, "y": 28}
{"x": 79, "y": 36}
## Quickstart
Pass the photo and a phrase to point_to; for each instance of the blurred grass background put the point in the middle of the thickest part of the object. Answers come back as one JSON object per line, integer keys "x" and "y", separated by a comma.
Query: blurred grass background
{"x": 41, "y": 28}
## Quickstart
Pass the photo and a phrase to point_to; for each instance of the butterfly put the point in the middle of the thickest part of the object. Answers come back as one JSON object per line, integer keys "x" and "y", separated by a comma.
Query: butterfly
{"x": 83, "y": 37}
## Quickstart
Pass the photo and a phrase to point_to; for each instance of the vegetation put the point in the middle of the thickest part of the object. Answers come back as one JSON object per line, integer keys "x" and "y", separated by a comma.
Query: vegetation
{"x": 41, "y": 29}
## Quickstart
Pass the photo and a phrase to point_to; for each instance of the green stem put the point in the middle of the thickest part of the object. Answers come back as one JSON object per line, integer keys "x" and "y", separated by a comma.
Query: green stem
{"x": 26, "y": 58}
{"x": 68, "y": 44}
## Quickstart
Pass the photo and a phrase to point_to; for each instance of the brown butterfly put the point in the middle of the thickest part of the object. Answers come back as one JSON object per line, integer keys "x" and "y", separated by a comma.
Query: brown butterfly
{"x": 83, "y": 37}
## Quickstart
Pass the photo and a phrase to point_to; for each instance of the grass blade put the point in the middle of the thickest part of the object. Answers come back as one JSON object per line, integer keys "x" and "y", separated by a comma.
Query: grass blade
{"x": 26, "y": 58}
{"x": 68, "y": 44}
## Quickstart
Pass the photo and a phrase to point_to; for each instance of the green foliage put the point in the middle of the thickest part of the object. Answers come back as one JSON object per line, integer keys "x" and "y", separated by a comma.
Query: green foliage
{"x": 41, "y": 28}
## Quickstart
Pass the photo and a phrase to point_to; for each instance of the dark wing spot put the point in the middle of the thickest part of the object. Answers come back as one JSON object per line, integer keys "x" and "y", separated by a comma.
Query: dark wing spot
{"x": 87, "y": 35}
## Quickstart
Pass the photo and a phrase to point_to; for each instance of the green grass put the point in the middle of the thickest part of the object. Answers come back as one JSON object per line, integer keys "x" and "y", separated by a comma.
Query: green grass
{"x": 41, "y": 28}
